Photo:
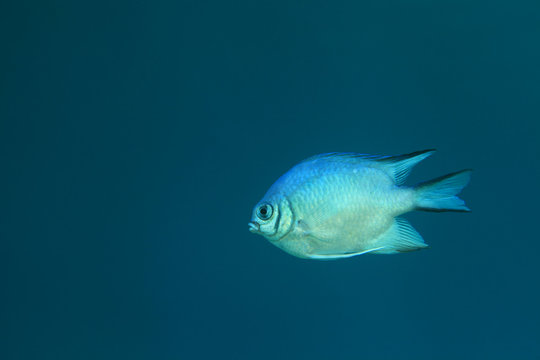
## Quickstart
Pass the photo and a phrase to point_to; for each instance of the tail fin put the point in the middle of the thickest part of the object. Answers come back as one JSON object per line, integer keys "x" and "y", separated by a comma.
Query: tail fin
{"x": 440, "y": 194}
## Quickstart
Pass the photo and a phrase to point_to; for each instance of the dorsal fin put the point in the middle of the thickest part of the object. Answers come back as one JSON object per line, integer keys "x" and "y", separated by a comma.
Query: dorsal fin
{"x": 347, "y": 157}
{"x": 398, "y": 167}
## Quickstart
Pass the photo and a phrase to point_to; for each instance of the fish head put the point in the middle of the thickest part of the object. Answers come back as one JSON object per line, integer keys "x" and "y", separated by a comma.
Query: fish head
{"x": 271, "y": 218}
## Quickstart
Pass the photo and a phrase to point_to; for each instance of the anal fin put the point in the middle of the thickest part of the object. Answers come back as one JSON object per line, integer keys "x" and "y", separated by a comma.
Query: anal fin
{"x": 401, "y": 237}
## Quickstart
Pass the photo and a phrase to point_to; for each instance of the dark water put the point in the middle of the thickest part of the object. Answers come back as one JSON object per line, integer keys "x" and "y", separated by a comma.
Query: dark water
{"x": 137, "y": 136}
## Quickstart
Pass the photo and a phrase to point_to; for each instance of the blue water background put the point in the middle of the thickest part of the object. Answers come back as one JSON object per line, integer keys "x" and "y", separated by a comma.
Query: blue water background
{"x": 136, "y": 137}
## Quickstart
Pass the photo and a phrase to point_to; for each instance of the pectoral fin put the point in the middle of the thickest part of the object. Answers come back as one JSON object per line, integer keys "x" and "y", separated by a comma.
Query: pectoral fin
{"x": 320, "y": 232}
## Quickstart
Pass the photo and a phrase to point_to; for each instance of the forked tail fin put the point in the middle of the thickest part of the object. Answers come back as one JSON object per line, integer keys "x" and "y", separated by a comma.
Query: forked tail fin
{"x": 440, "y": 194}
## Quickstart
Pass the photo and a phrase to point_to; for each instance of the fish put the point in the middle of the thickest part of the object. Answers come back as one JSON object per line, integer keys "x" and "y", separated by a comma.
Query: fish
{"x": 339, "y": 205}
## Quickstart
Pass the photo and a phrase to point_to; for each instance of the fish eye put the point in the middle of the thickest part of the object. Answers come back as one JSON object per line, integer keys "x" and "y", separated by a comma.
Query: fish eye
{"x": 264, "y": 212}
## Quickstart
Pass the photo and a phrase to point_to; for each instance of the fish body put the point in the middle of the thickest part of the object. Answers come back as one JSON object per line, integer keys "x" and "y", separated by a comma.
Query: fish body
{"x": 339, "y": 205}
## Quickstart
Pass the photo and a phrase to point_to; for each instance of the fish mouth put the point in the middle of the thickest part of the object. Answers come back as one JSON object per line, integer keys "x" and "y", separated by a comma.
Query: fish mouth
{"x": 254, "y": 226}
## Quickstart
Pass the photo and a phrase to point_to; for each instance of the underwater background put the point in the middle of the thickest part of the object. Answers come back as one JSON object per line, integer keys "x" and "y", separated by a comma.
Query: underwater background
{"x": 137, "y": 136}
